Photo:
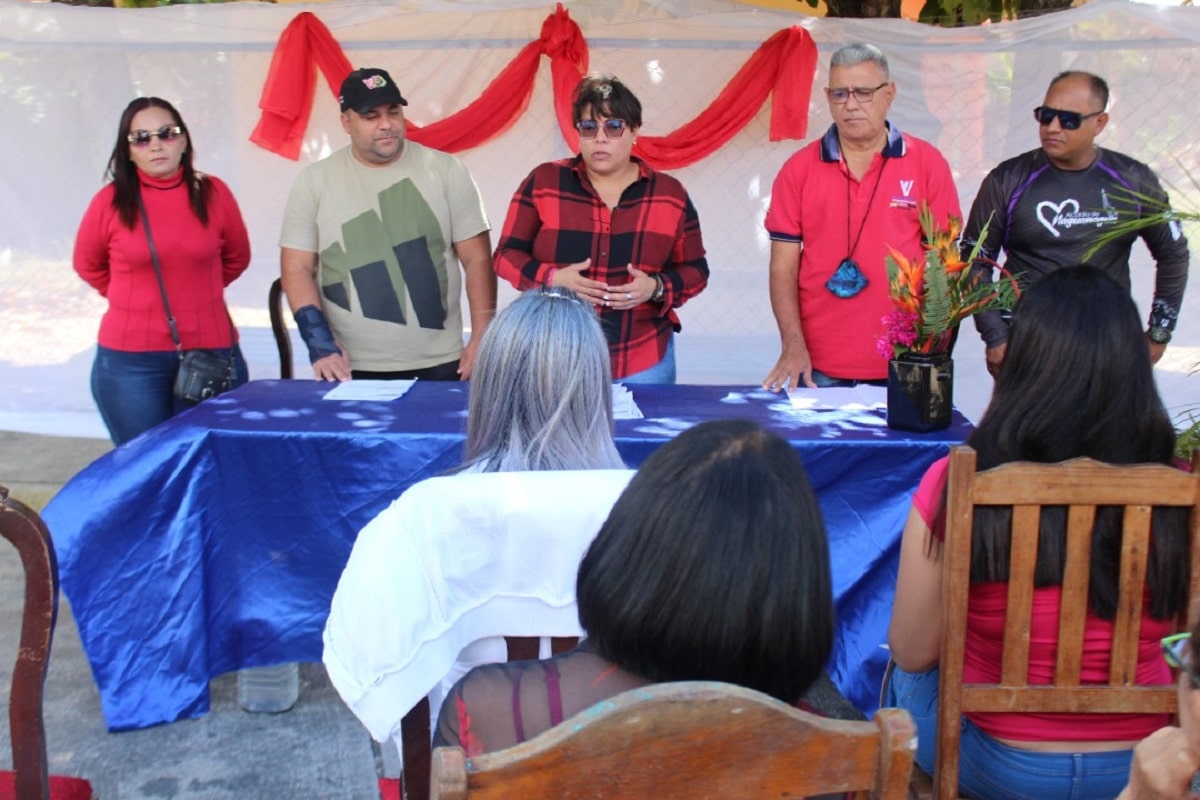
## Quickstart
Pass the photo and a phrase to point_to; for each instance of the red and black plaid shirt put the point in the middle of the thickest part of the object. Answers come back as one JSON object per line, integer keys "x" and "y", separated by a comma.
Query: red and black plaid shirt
{"x": 557, "y": 219}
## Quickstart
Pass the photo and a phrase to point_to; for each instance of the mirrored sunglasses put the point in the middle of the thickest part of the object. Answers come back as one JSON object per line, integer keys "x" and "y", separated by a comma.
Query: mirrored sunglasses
{"x": 166, "y": 133}
{"x": 1175, "y": 653}
{"x": 588, "y": 128}
{"x": 1070, "y": 120}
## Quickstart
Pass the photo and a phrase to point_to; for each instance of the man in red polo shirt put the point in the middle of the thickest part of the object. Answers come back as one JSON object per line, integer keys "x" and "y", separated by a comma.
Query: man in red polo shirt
{"x": 836, "y": 206}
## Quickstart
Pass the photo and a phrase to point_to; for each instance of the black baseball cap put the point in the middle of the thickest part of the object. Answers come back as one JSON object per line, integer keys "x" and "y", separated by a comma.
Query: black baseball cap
{"x": 367, "y": 88}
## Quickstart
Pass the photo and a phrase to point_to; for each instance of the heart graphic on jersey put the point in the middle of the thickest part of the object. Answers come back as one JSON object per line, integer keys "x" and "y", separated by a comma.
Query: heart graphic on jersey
{"x": 1056, "y": 213}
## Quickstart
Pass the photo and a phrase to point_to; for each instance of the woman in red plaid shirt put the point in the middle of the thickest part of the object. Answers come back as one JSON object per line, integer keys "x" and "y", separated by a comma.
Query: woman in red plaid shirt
{"x": 619, "y": 234}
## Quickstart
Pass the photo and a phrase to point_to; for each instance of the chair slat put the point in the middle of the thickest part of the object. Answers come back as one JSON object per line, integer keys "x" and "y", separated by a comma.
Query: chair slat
{"x": 1135, "y": 551}
{"x": 1085, "y": 699}
{"x": 1072, "y": 614}
{"x": 1022, "y": 563}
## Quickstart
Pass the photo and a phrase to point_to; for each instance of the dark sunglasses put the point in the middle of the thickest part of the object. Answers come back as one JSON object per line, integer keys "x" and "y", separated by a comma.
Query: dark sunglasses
{"x": 588, "y": 128}
{"x": 1175, "y": 653}
{"x": 165, "y": 134}
{"x": 1070, "y": 120}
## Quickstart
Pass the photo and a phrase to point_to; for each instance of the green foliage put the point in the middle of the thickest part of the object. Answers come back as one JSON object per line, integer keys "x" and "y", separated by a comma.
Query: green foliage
{"x": 1187, "y": 424}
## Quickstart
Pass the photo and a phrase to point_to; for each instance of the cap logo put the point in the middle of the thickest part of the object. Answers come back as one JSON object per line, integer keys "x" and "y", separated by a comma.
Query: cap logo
{"x": 374, "y": 82}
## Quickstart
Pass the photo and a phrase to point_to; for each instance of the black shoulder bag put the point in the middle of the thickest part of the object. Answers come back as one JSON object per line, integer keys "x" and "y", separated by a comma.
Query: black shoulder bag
{"x": 202, "y": 373}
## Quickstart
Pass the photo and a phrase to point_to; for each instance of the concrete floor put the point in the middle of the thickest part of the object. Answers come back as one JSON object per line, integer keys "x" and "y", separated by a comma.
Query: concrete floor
{"x": 316, "y": 750}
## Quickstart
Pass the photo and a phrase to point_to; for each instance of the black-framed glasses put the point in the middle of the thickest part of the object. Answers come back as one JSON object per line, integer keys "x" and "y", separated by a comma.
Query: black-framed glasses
{"x": 1175, "y": 653}
{"x": 1070, "y": 120}
{"x": 861, "y": 94}
{"x": 613, "y": 128}
{"x": 165, "y": 134}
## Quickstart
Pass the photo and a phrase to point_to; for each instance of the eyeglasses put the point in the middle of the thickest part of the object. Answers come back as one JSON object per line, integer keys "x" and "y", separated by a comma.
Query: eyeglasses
{"x": 862, "y": 95}
{"x": 1070, "y": 120}
{"x": 166, "y": 133}
{"x": 588, "y": 128}
{"x": 1175, "y": 654}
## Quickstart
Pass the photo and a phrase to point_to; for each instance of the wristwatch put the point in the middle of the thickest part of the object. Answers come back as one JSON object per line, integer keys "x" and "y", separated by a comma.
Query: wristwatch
{"x": 1158, "y": 335}
{"x": 659, "y": 289}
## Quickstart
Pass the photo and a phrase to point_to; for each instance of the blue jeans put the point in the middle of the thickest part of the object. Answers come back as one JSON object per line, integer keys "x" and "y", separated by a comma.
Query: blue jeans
{"x": 135, "y": 391}
{"x": 825, "y": 381}
{"x": 662, "y": 372}
{"x": 989, "y": 770}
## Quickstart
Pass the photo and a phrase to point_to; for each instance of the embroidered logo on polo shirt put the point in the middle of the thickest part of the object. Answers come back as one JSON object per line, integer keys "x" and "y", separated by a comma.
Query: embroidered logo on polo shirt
{"x": 905, "y": 200}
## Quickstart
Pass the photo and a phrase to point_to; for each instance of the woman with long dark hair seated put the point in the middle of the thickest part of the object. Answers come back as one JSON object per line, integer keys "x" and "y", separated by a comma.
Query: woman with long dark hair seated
{"x": 712, "y": 565}
{"x": 1076, "y": 382}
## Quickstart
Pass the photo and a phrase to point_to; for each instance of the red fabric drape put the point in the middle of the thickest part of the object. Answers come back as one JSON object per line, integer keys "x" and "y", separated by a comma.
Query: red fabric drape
{"x": 287, "y": 96}
{"x": 782, "y": 68}
{"x": 783, "y": 65}
{"x": 507, "y": 96}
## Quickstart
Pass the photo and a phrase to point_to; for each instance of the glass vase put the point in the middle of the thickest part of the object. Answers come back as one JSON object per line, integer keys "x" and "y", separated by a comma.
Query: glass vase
{"x": 920, "y": 392}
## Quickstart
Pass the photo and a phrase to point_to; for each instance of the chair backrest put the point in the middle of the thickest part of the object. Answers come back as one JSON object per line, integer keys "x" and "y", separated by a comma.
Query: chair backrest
{"x": 283, "y": 343}
{"x": 24, "y": 528}
{"x": 1080, "y": 485}
{"x": 693, "y": 739}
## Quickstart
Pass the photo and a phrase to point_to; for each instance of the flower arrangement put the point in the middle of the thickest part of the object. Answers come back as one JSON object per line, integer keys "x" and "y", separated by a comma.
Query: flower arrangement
{"x": 934, "y": 294}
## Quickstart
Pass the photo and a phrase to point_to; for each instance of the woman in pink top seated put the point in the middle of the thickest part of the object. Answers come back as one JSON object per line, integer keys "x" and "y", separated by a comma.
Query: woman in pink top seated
{"x": 1076, "y": 381}
{"x": 712, "y": 565}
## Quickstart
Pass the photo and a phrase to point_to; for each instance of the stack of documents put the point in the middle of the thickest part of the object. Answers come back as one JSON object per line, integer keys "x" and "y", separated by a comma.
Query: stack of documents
{"x": 369, "y": 390}
{"x": 622, "y": 403}
{"x": 838, "y": 398}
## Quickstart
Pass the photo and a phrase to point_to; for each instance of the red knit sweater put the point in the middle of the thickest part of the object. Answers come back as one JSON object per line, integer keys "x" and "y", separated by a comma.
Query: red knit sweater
{"x": 198, "y": 262}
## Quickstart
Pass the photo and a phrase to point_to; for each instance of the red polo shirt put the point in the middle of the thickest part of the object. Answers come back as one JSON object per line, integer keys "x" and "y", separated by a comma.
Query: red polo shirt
{"x": 817, "y": 202}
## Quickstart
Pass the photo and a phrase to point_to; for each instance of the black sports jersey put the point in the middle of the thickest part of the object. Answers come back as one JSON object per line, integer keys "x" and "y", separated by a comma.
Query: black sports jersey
{"x": 1045, "y": 218}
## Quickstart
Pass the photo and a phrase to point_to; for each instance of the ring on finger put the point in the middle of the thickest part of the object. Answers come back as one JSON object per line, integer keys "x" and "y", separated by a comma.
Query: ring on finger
{"x": 629, "y": 295}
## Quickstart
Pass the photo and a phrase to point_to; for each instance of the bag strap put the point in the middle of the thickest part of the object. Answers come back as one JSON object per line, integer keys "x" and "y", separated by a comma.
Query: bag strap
{"x": 162, "y": 289}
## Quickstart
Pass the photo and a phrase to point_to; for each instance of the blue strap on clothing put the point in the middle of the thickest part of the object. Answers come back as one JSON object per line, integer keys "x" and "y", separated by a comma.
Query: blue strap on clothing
{"x": 314, "y": 330}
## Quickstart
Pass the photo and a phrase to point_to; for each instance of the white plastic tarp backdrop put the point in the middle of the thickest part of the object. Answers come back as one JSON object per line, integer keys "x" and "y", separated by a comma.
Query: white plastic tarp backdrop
{"x": 66, "y": 73}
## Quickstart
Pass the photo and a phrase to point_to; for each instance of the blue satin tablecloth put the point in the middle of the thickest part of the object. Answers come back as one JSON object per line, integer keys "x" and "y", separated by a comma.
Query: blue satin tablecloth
{"x": 215, "y": 541}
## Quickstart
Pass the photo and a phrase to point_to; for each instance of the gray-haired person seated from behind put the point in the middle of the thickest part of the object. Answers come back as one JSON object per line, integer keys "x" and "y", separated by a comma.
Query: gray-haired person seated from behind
{"x": 541, "y": 399}
{"x": 728, "y": 581}
{"x": 541, "y": 395}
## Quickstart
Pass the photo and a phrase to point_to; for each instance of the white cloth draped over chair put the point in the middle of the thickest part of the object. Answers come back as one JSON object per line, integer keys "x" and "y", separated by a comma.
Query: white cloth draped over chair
{"x": 456, "y": 559}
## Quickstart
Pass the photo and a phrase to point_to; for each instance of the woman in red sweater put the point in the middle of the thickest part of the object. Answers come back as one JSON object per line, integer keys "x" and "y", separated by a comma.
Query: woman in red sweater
{"x": 202, "y": 247}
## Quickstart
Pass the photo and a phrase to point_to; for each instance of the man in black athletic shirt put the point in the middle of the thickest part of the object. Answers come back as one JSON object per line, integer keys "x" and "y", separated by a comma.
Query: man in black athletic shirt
{"x": 1048, "y": 206}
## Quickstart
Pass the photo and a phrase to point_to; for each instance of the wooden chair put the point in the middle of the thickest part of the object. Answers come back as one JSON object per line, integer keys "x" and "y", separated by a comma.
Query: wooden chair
{"x": 29, "y": 778}
{"x": 693, "y": 740}
{"x": 276, "y": 305}
{"x": 417, "y": 733}
{"x": 1081, "y": 485}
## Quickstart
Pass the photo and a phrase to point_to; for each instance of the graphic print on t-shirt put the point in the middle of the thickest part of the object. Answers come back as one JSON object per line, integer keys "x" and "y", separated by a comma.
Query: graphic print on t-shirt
{"x": 390, "y": 260}
{"x": 1057, "y": 217}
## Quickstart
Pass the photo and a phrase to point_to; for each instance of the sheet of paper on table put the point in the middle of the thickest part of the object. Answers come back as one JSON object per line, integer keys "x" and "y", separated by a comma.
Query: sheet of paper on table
{"x": 369, "y": 390}
{"x": 838, "y": 398}
{"x": 622, "y": 402}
